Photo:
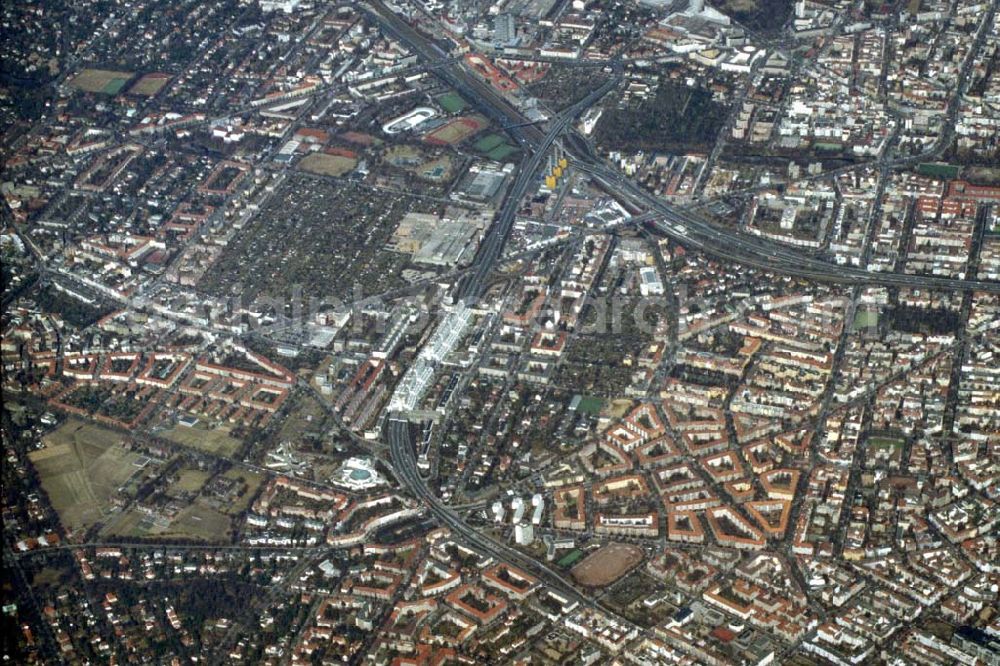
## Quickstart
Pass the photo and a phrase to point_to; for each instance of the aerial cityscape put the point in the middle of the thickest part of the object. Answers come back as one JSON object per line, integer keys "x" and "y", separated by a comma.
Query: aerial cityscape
{"x": 550, "y": 332}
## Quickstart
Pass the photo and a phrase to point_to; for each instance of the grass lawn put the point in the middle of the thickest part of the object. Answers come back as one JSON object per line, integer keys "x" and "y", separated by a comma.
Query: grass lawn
{"x": 253, "y": 481}
{"x": 570, "y": 558}
{"x": 191, "y": 480}
{"x": 501, "y": 152}
{"x": 452, "y": 102}
{"x": 865, "y": 319}
{"x": 130, "y": 524}
{"x": 199, "y": 436}
{"x": 488, "y": 142}
{"x": 620, "y": 407}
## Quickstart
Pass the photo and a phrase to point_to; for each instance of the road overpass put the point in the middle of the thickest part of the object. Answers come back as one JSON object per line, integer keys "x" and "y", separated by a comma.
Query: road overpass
{"x": 682, "y": 225}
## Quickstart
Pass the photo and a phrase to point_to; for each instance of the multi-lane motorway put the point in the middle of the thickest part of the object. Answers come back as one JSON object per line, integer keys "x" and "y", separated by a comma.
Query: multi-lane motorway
{"x": 405, "y": 466}
{"x": 684, "y": 226}
{"x": 488, "y": 100}
{"x": 472, "y": 285}
{"x": 529, "y": 135}
{"x": 694, "y": 231}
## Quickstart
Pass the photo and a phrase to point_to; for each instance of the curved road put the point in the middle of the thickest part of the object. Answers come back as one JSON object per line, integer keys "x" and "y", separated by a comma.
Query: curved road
{"x": 693, "y": 231}
{"x": 675, "y": 222}
{"x": 472, "y": 285}
{"x": 405, "y": 465}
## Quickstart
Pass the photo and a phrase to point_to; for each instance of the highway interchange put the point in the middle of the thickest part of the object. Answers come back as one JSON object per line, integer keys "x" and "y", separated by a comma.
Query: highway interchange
{"x": 680, "y": 224}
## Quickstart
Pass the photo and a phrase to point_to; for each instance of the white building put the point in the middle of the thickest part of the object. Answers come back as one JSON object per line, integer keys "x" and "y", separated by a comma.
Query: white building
{"x": 649, "y": 282}
{"x": 524, "y": 535}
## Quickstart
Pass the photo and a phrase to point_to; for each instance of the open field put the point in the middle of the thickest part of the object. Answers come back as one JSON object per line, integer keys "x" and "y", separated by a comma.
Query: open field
{"x": 81, "y": 469}
{"x": 325, "y": 164}
{"x": 191, "y": 480}
{"x": 104, "y": 81}
{"x": 149, "y": 84}
{"x": 607, "y": 564}
{"x": 456, "y": 131}
{"x": 195, "y": 522}
{"x": 215, "y": 441}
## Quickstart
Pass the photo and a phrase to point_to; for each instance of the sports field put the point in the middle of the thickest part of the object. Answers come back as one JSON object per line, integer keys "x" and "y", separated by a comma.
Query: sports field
{"x": 494, "y": 146}
{"x": 149, "y": 84}
{"x": 886, "y": 442}
{"x": 456, "y": 131}
{"x": 590, "y": 405}
{"x": 488, "y": 142}
{"x": 81, "y": 468}
{"x": 938, "y": 170}
{"x": 451, "y": 102}
{"x": 865, "y": 319}
{"x": 106, "y": 81}
{"x": 607, "y": 564}
{"x": 570, "y": 558}
{"x": 501, "y": 152}
{"x": 325, "y": 164}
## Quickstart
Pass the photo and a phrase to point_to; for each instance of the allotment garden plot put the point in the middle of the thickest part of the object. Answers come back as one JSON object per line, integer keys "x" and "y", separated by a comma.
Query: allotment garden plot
{"x": 321, "y": 236}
